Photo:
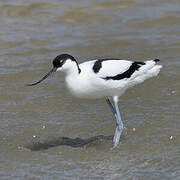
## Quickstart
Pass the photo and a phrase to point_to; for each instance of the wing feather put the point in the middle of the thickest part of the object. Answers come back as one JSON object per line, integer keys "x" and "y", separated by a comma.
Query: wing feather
{"x": 111, "y": 68}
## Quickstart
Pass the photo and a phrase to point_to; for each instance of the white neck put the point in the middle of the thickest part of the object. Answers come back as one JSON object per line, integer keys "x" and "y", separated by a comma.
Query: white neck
{"x": 70, "y": 68}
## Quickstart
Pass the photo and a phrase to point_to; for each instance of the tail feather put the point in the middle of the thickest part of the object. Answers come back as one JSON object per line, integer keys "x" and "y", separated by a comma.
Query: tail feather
{"x": 146, "y": 68}
{"x": 156, "y": 60}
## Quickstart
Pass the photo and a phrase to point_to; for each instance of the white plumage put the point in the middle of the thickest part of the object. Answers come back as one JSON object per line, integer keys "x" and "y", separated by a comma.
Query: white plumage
{"x": 103, "y": 78}
{"x": 88, "y": 84}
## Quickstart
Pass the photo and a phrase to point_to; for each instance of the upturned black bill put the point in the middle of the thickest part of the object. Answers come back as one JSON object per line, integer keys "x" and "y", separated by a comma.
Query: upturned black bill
{"x": 48, "y": 74}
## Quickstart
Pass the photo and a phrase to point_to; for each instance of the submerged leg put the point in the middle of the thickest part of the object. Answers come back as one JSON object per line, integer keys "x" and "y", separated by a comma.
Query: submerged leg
{"x": 119, "y": 123}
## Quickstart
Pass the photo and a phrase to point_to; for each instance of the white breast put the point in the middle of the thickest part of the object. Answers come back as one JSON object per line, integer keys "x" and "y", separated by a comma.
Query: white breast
{"x": 80, "y": 85}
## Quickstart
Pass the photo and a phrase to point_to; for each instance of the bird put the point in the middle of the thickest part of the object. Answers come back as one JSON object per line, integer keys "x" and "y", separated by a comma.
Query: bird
{"x": 103, "y": 78}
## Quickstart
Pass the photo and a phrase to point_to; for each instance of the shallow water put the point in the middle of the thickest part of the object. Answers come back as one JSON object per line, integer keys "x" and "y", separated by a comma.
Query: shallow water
{"x": 32, "y": 33}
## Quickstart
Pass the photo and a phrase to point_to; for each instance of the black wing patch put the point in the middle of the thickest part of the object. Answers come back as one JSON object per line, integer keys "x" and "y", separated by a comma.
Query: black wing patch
{"x": 127, "y": 74}
{"x": 98, "y": 64}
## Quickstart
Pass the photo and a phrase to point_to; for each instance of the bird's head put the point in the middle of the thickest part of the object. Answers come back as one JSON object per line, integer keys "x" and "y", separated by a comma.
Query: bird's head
{"x": 62, "y": 62}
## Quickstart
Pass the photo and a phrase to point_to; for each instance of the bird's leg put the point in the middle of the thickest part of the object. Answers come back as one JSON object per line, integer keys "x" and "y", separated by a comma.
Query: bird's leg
{"x": 111, "y": 106}
{"x": 119, "y": 123}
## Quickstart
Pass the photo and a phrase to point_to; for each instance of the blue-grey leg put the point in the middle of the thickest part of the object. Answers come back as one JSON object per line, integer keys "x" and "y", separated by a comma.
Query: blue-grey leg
{"x": 119, "y": 123}
{"x": 111, "y": 106}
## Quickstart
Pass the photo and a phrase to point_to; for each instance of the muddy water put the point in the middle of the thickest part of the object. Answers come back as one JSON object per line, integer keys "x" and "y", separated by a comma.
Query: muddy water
{"x": 34, "y": 120}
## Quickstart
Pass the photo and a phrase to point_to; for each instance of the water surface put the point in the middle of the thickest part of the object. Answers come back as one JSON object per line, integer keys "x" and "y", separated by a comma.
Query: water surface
{"x": 32, "y": 33}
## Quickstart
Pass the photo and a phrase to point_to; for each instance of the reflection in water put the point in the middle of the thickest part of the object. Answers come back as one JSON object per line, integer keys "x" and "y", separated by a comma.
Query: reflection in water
{"x": 65, "y": 141}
